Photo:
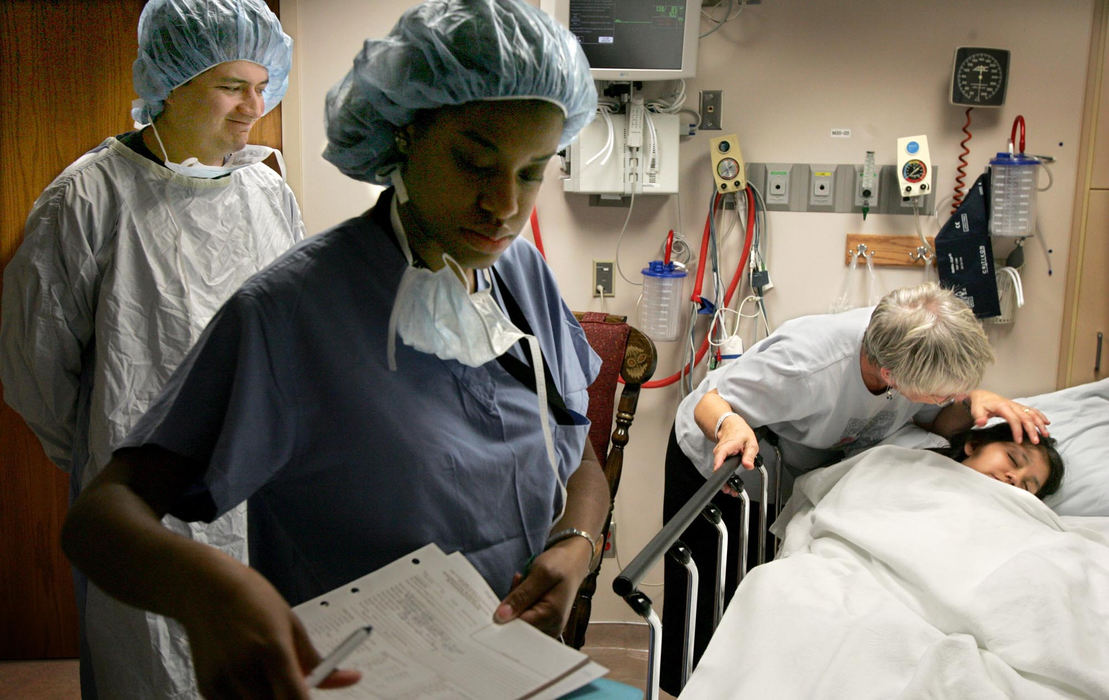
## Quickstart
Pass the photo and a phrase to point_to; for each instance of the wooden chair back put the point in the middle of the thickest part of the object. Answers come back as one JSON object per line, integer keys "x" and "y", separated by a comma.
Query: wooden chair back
{"x": 626, "y": 354}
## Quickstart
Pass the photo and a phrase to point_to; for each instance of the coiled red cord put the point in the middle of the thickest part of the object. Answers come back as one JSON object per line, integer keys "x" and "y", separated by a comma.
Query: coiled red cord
{"x": 960, "y": 178}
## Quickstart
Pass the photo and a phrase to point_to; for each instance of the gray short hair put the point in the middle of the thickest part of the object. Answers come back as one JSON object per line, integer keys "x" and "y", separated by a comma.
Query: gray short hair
{"x": 929, "y": 340}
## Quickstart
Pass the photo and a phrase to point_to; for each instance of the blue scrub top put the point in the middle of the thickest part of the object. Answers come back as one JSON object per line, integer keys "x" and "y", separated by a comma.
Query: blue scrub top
{"x": 347, "y": 465}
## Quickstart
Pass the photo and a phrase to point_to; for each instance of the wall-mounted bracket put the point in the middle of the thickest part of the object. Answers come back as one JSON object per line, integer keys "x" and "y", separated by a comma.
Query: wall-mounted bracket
{"x": 889, "y": 250}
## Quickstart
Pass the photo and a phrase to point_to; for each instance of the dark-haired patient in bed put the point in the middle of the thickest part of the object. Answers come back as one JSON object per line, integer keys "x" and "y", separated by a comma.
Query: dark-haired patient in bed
{"x": 1036, "y": 468}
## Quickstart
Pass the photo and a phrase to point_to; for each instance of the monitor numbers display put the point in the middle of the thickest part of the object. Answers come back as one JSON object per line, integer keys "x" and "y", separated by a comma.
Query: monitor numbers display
{"x": 629, "y": 34}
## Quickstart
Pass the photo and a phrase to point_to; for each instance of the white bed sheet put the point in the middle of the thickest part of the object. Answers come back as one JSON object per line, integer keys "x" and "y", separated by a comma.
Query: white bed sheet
{"x": 907, "y": 575}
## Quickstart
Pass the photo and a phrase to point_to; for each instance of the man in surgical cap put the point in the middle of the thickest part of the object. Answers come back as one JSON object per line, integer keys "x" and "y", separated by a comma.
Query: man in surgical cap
{"x": 379, "y": 387}
{"x": 126, "y": 256}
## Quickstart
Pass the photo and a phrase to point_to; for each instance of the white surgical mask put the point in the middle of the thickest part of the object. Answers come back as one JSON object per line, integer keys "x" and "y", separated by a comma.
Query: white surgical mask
{"x": 435, "y": 313}
{"x": 247, "y": 155}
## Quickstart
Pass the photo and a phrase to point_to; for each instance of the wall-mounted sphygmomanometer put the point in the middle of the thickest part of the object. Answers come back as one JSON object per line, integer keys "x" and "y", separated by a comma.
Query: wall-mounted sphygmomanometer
{"x": 979, "y": 77}
{"x": 727, "y": 164}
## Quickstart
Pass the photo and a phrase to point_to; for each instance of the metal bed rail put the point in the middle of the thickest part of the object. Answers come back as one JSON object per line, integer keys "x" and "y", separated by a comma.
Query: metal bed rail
{"x": 666, "y": 541}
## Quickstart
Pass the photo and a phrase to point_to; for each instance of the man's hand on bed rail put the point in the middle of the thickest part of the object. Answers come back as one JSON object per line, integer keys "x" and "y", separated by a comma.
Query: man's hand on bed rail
{"x": 981, "y": 405}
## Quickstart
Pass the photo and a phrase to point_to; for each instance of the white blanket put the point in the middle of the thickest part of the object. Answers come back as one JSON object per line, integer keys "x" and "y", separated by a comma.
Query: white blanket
{"x": 907, "y": 575}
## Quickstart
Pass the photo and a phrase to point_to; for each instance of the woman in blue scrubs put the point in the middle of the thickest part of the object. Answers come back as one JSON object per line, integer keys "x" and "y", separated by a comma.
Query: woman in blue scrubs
{"x": 378, "y": 387}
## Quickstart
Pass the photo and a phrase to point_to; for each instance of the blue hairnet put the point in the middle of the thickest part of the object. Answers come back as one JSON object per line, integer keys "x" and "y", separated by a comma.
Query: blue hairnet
{"x": 180, "y": 39}
{"x": 449, "y": 52}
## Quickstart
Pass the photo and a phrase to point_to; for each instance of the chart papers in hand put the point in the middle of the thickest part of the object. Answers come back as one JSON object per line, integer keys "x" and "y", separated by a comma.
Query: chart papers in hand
{"x": 434, "y": 636}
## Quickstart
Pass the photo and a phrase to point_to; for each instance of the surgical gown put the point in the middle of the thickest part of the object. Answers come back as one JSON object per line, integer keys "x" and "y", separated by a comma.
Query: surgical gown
{"x": 122, "y": 265}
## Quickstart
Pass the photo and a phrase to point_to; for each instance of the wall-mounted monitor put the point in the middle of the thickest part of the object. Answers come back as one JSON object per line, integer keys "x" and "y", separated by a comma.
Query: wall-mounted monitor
{"x": 633, "y": 39}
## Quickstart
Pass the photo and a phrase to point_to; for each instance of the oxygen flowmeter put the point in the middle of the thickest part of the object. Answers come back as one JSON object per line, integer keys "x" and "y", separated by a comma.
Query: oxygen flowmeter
{"x": 868, "y": 184}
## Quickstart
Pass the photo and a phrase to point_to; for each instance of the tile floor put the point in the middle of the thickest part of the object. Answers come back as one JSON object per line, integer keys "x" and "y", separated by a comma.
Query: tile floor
{"x": 620, "y": 647}
{"x": 54, "y": 679}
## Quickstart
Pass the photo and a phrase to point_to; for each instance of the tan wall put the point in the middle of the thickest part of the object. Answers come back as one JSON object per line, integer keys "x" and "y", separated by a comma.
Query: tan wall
{"x": 791, "y": 70}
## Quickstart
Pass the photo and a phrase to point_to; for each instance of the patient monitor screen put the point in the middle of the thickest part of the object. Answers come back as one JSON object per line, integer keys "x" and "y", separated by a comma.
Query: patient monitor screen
{"x": 630, "y": 34}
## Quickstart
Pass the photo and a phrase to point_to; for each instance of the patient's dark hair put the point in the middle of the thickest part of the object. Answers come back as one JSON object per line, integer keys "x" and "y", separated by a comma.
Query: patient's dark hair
{"x": 1003, "y": 433}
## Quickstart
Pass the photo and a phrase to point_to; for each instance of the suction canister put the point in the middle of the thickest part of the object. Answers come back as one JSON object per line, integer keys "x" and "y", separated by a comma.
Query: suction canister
{"x": 1013, "y": 195}
{"x": 661, "y": 305}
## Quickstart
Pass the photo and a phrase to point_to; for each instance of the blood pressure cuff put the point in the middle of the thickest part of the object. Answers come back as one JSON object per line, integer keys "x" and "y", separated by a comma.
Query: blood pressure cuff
{"x": 964, "y": 256}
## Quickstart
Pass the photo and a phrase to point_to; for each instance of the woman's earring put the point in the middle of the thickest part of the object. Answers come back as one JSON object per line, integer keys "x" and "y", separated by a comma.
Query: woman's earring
{"x": 889, "y": 393}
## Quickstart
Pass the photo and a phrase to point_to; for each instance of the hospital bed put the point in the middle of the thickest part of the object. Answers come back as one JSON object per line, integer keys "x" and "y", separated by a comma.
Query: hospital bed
{"x": 903, "y": 574}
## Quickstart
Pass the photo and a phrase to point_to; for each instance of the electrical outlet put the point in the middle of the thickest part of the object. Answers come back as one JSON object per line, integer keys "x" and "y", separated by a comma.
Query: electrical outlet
{"x": 610, "y": 541}
{"x": 603, "y": 282}
{"x": 710, "y": 110}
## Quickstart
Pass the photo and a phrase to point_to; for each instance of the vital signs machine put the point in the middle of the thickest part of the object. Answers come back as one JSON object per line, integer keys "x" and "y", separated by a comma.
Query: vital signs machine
{"x": 629, "y": 149}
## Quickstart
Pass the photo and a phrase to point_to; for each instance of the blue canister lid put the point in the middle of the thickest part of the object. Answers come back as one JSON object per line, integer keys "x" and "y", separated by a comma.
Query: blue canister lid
{"x": 1004, "y": 158}
{"x": 658, "y": 268}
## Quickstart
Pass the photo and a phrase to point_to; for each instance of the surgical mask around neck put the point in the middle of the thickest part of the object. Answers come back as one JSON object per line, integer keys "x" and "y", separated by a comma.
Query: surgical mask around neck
{"x": 248, "y": 155}
{"x": 435, "y": 313}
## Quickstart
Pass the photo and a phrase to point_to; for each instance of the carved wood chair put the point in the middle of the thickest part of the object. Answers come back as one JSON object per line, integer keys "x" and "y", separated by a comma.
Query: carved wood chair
{"x": 628, "y": 354}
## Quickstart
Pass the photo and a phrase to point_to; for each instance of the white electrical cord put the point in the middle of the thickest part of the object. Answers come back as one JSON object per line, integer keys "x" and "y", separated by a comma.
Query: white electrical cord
{"x": 728, "y": 17}
{"x": 620, "y": 240}
{"x": 606, "y": 150}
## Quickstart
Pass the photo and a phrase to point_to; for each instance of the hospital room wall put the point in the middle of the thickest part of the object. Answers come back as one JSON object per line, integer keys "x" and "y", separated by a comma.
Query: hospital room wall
{"x": 791, "y": 71}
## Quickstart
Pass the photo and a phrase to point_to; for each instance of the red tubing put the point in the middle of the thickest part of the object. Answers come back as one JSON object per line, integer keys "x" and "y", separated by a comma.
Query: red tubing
{"x": 1013, "y": 134}
{"x": 535, "y": 232}
{"x": 696, "y": 296}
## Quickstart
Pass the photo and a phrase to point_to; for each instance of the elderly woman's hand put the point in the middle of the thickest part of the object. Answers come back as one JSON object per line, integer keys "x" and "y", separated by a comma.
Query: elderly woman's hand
{"x": 735, "y": 437}
{"x": 1022, "y": 419}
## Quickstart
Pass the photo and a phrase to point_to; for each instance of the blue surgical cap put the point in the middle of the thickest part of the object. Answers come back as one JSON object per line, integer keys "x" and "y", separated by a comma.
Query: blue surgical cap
{"x": 450, "y": 52}
{"x": 180, "y": 39}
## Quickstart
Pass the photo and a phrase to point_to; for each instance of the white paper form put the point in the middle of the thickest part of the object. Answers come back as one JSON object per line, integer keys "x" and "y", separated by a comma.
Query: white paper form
{"x": 434, "y": 636}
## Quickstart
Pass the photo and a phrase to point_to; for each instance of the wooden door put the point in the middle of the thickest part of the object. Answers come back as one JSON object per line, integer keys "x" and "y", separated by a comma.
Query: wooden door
{"x": 65, "y": 77}
{"x": 1091, "y": 295}
{"x": 1086, "y": 305}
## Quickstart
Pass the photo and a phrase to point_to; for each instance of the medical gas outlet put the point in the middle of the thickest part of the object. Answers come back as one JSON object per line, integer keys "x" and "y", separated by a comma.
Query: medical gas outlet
{"x": 839, "y": 188}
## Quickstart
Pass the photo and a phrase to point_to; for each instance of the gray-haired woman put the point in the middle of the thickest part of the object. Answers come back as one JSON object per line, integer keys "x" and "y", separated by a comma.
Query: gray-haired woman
{"x": 830, "y": 386}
